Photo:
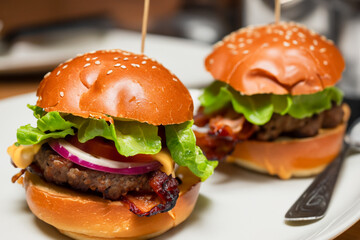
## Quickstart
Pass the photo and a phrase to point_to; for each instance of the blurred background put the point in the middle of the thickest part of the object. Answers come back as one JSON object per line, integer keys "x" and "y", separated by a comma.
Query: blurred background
{"x": 37, "y": 35}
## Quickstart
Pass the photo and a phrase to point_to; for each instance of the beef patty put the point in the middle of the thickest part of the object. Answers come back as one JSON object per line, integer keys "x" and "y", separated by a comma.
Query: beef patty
{"x": 305, "y": 127}
{"x": 59, "y": 170}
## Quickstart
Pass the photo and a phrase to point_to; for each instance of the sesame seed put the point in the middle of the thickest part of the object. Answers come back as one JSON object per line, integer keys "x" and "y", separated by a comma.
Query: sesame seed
{"x": 123, "y": 66}
{"x": 300, "y": 34}
{"x": 126, "y": 53}
{"x": 143, "y": 62}
{"x": 275, "y": 39}
{"x": 230, "y": 45}
{"x": 233, "y": 52}
{"x": 87, "y": 59}
{"x": 57, "y": 74}
{"x": 295, "y": 29}
{"x": 117, "y": 65}
{"x": 135, "y": 65}
{"x": 61, "y": 94}
{"x": 112, "y": 50}
{"x": 325, "y": 63}
{"x": 249, "y": 41}
{"x": 87, "y": 64}
{"x": 265, "y": 45}
{"x": 146, "y": 58}
{"x": 322, "y": 50}
{"x": 315, "y": 42}
{"x": 48, "y": 74}
{"x": 108, "y": 72}
{"x": 241, "y": 39}
{"x": 175, "y": 79}
{"x": 92, "y": 52}
{"x": 94, "y": 58}
{"x": 97, "y": 62}
{"x": 245, "y": 51}
{"x": 241, "y": 45}
{"x": 153, "y": 67}
{"x": 125, "y": 58}
{"x": 286, "y": 44}
{"x": 295, "y": 42}
{"x": 79, "y": 54}
{"x": 135, "y": 57}
{"x": 312, "y": 47}
{"x": 65, "y": 66}
{"x": 116, "y": 58}
{"x": 211, "y": 61}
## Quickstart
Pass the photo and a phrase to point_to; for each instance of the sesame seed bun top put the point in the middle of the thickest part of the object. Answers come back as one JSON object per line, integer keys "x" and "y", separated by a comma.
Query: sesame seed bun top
{"x": 283, "y": 58}
{"x": 119, "y": 84}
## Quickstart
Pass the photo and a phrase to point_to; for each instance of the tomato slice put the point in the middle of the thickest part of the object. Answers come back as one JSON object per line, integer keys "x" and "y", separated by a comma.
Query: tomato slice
{"x": 105, "y": 148}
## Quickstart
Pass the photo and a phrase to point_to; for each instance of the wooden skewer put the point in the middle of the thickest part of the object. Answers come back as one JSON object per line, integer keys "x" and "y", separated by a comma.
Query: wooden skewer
{"x": 144, "y": 24}
{"x": 277, "y": 10}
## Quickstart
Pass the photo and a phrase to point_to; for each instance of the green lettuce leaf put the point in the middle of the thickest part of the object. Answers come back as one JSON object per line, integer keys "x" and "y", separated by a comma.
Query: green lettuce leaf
{"x": 37, "y": 111}
{"x": 52, "y": 122}
{"x": 130, "y": 137}
{"x": 256, "y": 109}
{"x": 215, "y": 97}
{"x": 309, "y": 104}
{"x": 181, "y": 142}
{"x": 27, "y": 135}
{"x": 259, "y": 108}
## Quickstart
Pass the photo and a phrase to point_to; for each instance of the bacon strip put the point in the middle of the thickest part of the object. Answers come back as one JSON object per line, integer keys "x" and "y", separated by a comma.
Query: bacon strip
{"x": 214, "y": 148}
{"x": 167, "y": 193}
{"x": 16, "y": 177}
{"x": 226, "y": 128}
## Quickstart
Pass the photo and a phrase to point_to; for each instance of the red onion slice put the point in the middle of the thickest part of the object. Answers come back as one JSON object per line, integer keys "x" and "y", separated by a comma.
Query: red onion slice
{"x": 68, "y": 151}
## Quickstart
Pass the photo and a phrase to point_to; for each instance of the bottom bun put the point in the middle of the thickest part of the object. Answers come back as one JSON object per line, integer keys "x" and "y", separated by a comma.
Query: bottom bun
{"x": 291, "y": 157}
{"x": 84, "y": 216}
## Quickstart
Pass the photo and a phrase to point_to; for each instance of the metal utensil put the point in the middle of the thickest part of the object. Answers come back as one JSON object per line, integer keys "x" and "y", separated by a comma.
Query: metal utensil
{"x": 312, "y": 204}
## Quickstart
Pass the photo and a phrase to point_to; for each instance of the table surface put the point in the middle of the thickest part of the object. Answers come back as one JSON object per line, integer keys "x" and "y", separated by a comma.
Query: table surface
{"x": 12, "y": 86}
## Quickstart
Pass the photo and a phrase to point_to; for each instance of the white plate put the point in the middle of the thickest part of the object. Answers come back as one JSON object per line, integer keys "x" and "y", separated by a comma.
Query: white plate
{"x": 233, "y": 204}
{"x": 183, "y": 57}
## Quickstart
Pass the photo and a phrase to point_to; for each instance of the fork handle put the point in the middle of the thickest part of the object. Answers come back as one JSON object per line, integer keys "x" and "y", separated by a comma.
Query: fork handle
{"x": 312, "y": 204}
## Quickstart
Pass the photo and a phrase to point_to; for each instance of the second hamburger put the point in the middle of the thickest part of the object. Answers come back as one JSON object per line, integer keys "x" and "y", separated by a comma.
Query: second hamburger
{"x": 273, "y": 107}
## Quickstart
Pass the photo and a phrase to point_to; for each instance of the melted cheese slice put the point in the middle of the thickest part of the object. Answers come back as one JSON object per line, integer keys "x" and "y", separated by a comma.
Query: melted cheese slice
{"x": 166, "y": 161}
{"x": 23, "y": 155}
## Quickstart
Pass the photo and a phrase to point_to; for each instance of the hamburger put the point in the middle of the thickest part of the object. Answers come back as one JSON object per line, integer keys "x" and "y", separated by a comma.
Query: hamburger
{"x": 273, "y": 106}
{"x": 100, "y": 163}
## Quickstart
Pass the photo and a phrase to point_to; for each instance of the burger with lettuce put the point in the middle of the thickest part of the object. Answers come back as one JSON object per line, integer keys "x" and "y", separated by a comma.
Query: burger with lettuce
{"x": 273, "y": 106}
{"x": 101, "y": 161}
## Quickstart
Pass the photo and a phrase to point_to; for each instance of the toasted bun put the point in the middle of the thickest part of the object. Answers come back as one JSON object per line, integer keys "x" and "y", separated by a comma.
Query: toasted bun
{"x": 283, "y": 58}
{"x": 292, "y": 157}
{"x": 83, "y": 216}
{"x": 119, "y": 84}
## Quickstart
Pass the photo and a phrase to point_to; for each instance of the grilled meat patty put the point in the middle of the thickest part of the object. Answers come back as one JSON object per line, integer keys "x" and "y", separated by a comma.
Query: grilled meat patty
{"x": 306, "y": 127}
{"x": 59, "y": 170}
